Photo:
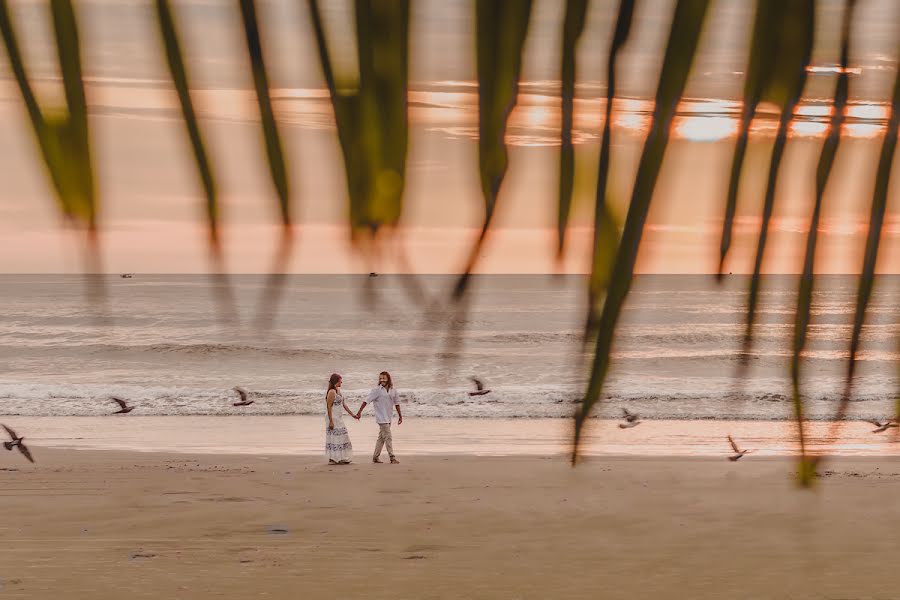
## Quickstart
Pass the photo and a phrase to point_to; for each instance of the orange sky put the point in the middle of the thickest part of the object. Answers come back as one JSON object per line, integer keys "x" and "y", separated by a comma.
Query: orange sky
{"x": 152, "y": 205}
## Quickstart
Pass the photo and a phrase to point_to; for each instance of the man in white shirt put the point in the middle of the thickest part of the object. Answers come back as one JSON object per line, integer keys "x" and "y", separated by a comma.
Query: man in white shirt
{"x": 384, "y": 398}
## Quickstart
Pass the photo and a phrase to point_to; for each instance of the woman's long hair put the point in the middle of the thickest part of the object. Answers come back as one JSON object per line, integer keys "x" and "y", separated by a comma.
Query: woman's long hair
{"x": 333, "y": 381}
{"x": 390, "y": 382}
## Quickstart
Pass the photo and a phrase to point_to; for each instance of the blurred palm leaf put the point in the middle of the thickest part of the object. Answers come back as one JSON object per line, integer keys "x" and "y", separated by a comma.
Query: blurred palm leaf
{"x": 782, "y": 34}
{"x": 276, "y": 161}
{"x": 371, "y": 112}
{"x": 873, "y": 239}
{"x": 169, "y": 33}
{"x": 573, "y": 26}
{"x": 62, "y": 133}
{"x": 783, "y": 82}
{"x": 501, "y": 29}
{"x": 606, "y": 231}
{"x": 274, "y": 151}
{"x": 807, "y": 279}
{"x": 684, "y": 35}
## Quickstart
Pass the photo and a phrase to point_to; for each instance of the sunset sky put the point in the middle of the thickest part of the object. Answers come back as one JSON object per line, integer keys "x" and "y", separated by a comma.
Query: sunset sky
{"x": 151, "y": 200}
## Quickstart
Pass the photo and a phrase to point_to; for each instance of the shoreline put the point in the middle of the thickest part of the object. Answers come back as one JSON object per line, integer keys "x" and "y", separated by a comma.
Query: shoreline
{"x": 110, "y": 524}
{"x": 304, "y": 436}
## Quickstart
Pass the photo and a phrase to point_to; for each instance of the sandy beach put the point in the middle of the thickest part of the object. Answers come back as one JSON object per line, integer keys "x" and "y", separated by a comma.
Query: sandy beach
{"x": 111, "y": 524}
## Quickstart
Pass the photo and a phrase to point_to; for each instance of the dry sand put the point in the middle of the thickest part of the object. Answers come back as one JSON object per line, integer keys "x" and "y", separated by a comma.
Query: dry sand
{"x": 103, "y": 524}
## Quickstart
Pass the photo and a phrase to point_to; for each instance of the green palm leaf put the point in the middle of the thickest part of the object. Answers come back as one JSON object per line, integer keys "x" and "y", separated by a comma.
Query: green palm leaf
{"x": 61, "y": 133}
{"x": 501, "y": 29}
{"x": 606, "y": 232}
{"x": 371, "y": 112}
{"x": 776, "y": 50}
{"x": 684, "y": 36}
{"x": 274, "y": 151}
{"x": 795, "y": 22}
{"x": 276, "y": 161}
{"x": 873, "y": 240}
{"x": 573, "y": 26}
{"x": 807, "y": 279}
{"x": 169, "y": 34}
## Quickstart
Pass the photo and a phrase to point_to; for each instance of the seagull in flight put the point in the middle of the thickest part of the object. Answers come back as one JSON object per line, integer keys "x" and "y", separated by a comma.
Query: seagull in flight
{"x": 243, "y": 394}
{"x": 738, "y": 453}
{"x": 631, "y": 419}
{"x": 479, "y": 388}
{"x": 17, "y": 443}
{"x": 881, "y": 426}
{"x": 124, "y": 409}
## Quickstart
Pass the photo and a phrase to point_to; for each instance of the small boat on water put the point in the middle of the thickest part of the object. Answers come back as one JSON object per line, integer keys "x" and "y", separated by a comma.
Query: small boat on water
{"x": 373, "y": 274}
{"x": 126, "y": 275}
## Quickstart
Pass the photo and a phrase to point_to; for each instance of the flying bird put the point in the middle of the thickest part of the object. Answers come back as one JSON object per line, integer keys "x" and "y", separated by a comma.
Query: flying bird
{"x": 124, "y": 409}
{"x": 631, "y": 419}
{"x": 881, "y": 426}
{"x": 738, "y": 452}
{"x": 479, "y": 388}
{"x": 243, "y": 394}
{"x": 17, "y": 443}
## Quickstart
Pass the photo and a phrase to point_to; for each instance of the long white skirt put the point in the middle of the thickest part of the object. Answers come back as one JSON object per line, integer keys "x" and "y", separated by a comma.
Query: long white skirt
{"x": 337, "y": 440}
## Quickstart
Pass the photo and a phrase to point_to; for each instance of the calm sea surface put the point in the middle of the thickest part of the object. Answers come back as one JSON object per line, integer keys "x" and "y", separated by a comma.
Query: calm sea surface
{"x": 160, "y": 342}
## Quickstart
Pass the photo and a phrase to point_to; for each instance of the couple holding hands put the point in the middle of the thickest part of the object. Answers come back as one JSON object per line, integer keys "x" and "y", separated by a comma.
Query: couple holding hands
{"x": 383, "y": 398}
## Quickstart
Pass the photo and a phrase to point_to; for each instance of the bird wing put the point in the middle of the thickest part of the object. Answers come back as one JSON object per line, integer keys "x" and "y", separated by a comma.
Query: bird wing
{"x": 241, "y": 392}
{"x": 11, "y": 433}
{"x": 478, "y": 385}
{"x": 119, "y": 401}
{"x": 625, "y": 413}
{"x": 875, "y": 423}
{"x": 733, "y": 445}
{"x": 26, "y": 452}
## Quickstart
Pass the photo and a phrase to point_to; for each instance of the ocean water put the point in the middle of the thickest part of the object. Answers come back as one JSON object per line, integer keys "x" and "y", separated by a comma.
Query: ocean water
{"x": 161, "y": 342}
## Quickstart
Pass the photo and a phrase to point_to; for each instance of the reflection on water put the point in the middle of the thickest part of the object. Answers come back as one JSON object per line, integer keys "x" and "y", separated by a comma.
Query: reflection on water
{"x": 451, "y": 109}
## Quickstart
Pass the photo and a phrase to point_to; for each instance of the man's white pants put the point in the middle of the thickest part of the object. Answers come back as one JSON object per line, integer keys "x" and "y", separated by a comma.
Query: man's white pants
{"x": 384, "y": 439}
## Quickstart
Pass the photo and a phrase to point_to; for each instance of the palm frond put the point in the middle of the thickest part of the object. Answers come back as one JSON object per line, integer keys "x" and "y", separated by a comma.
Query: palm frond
{"x": 573, "y": 26}
{"x": 807, "y": 278}
{"x": 873, "y": 240}
{"x": 271, "y": 136}
{"x": 371, "y": 112}
{"x": 61, "y": 133}
{"x": 771, "y": 72}
{"x": 169, "y": 34}
{"x": 783, "y": 86}
{"x": 684, "y": 35}
{"x": 276, "y": 161}
{"x": 606, "y": 231}
{"x": 501, "y": 29}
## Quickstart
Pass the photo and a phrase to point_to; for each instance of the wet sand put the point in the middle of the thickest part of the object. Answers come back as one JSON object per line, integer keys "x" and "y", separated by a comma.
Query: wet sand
{"x": 110, "y": 524}
{"x": 304, "y": 435}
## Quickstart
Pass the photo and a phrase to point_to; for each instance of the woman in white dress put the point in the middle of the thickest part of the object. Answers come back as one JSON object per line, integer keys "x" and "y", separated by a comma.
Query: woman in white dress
{"x": 338, "y": 448}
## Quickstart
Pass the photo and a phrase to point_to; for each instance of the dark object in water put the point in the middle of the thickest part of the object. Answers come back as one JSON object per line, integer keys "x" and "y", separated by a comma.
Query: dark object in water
{"x": 126, "y": 275}
{"x": 124, "y": 409}
{"x": 373, "y": 274}
{"x": 243, "y": 394}
{"x": 17, "y": 443}
{"x": 479, "y": 388}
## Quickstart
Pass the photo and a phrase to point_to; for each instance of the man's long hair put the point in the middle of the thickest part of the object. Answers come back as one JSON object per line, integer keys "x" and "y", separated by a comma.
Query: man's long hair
{"x": 390, "y": 382}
